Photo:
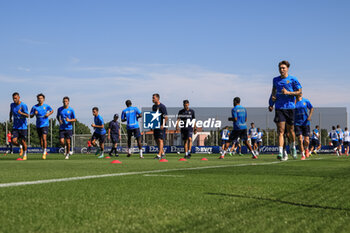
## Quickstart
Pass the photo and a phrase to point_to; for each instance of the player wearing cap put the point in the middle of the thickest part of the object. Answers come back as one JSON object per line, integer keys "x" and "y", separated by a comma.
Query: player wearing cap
{"x": 284, "y": 89}
{"x": 114, "y": 134}
{"x": 19, "y": 113}
{"x": 42, "y": 112}
{"x": 130, "y": 115}
{"x": 66, "y": 116}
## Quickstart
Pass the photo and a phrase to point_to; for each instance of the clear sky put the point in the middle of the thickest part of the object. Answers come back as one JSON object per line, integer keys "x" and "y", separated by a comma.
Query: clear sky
{"x": 101, "y": 53}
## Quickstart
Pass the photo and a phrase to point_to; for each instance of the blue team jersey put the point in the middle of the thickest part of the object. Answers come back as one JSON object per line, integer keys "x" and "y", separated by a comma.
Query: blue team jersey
{"x": 301, "y": 112}
{"x": 130, "y": 115}
{"x": 240, "y": 113}
{"x": 19, "y": 121}
{"x": 253, "y": 133}
{"x": 290, "y": 84}
{"x": 41, "y": 120}
{"x": 98, "y": 120}
{"x": 333, "y": 135}
{"x": 315, "y": 131}
{"x": 63, "y": 114}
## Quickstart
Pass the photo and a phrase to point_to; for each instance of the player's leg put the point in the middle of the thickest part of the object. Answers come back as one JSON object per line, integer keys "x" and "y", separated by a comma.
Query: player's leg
{"x": 139, "y": 143}
{"x": 101, "y": 140}
{"x": 291, "y": 138}
{"x": 130, "y": 133}
{"x": 280, "y": 131}
{"x": 189, "y": 139}
{"x": 306, "y": 133}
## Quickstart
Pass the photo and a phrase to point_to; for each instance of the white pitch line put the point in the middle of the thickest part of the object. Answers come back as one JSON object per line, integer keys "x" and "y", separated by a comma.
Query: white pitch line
{"x": 4, "y": 185}
{"x": 157, "y": 175}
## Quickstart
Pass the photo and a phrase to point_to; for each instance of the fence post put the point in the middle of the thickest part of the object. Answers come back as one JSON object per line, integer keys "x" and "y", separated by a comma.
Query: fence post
{"x": 51, "y": 122}
{"x": 28, "y": 122}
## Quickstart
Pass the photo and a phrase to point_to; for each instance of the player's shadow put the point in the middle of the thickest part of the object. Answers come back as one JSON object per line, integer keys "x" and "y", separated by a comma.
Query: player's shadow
{"x": 280, "y": 201}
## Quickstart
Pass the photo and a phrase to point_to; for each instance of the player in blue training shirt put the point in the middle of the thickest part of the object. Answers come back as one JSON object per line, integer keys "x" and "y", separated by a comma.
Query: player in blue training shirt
{"x": 19, "y": 113}
{"x": 42, "y": 112}
{"x": 184, "y": 119}
{"x": 159, "y": 134}
{"x": 340, "y": 141}
{"x": 285, "y": 89}
{"x": 99, "y": 133}
{"x": 65, "y": 116}
{"x": 131, "y": 115}
{"x": 303, "y": 114}
{"x": 315, "y": 140}
{"x": 239, "y": 118}
{"x": 225, "y": 135}
{"x": 335, "y": 139}
{"x": 114, "y": 134}
{"x": 253, "y": 135}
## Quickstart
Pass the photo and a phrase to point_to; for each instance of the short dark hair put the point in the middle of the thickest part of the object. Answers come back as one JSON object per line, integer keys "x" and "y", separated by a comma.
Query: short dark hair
{"x": 317, "y": 126}
{"x": 66, "y": 98}
{"x": 41, "y": 94}
{"x": 258, "y": 129}
{"x": 128, "y": 103}
{"x": 95, "y": 108}
{"x": 252, "y": 123}
{"x": 284, "y": 62}
{"x": 338, "y": 126}
{"x": 237, "y": 100}
{"x": 157, "y": 95}
{"x": 346, "y": 128}
{"x": 186, "y": 102}
{"x": 14, "y": 94}
{"x": 333, "y": 127}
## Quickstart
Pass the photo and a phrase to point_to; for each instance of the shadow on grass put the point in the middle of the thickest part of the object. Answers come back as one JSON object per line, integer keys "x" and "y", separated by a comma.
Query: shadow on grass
{"x": 280, "y": 201}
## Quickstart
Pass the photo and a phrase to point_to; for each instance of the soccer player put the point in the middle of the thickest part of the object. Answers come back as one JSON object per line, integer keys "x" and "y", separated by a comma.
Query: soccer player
{"x": 9, "y": 143}
{"x": 239, "y": 118}
{"x": 65, "y": 116}
{"x": 285, "y": 88}
{"x": 236, "y": 144}
{"x": 131, "y": 115}
{"x": 114, "y": 134}
{"x": 346, "y": 141}
{"x": 19, "y": 113}
{"x": 42, "y": 112}
{"x": 159, "y": 134}
{"x": 303, "y": 114}
{"x": 253, "y": 135}
{"x": 260, "y": 140}
{"x": 335, "y": 140}
{"x": 99, "y": 133}
{"x": 340, "y": 141}
{"x": 186, "y": 115}
{"x": 315, "y": 140}
{"x": 225, "y": 134}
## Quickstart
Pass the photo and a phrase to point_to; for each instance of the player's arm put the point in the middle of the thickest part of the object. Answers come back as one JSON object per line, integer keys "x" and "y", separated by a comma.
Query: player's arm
{"x": 195, "y": 126}
{"x": 49, "y": 113}
{"x": 109, "y": 133}
{"x": 98, "y": 126}
{"x": 33, "y": 112}
{"x": 177, "y": 124}
{"x": 310, "y": 114}
{"x": 23, "y": 113}
{"x": 123, "y": 118}
{"x": 272, "y": 99}
{"x": 72, "y": 118}
{"x": 10, "y": 115}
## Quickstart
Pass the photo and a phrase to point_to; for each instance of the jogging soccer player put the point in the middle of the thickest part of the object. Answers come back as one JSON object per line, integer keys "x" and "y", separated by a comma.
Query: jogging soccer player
{"x": 285, "y": 89}
{"x": 303, "y": 114}
{"x": 99, "y": 133}
{"x": 346, "y": 141}
{"x": 260, "y": 139}
{"x": 239, "y": 118}
{"x": 42, "y": 112}
{"x": 19, "y": 113}
{"x": 185, "y": 117}
{"x": 159, "y": 134}
{"x": 225, "y": 135}
{"x": 65, "y": 116}
{"x": 253, "y": 135}
{"x": 335, "y": 139}
{"x": 340, "y": 141}
{"x": 315, "y": 140}
{"x": 9, "y": 148}
{"x": 236, "y": 144}
{"x": 114, "y": 134}
{"x": 131, "y": 115}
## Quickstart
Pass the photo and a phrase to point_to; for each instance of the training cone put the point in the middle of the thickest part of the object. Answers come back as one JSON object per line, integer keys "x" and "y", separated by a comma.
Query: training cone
{"x": 116, "y": 161}
{"x": 19, "y": 159}
{"x": 108, "y": 157}
{"x": 163, "y": 160}
{"x": 204, "y": 159}
{"x": 182, "y": 159}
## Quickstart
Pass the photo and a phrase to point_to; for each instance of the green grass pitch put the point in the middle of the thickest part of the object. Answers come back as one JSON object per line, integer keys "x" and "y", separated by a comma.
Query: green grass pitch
{"x": 231, "y": 195}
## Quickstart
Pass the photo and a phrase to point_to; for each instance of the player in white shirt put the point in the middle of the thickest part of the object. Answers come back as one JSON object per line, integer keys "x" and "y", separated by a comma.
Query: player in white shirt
{"x": 341, "y": 138}
{"x": 225, "y": 134}
{"x": 315, "y": 140}
{"x": 260, "y": 140}
{"x": 335, "y": 140}
{"x": 346, "y": 141}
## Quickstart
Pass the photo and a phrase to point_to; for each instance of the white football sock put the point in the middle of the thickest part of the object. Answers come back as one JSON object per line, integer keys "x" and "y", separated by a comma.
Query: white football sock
{"x": 280, "y": 149}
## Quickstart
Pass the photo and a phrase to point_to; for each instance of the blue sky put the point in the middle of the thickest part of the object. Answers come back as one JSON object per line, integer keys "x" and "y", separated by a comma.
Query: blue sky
{"x": 101, "y": 53}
